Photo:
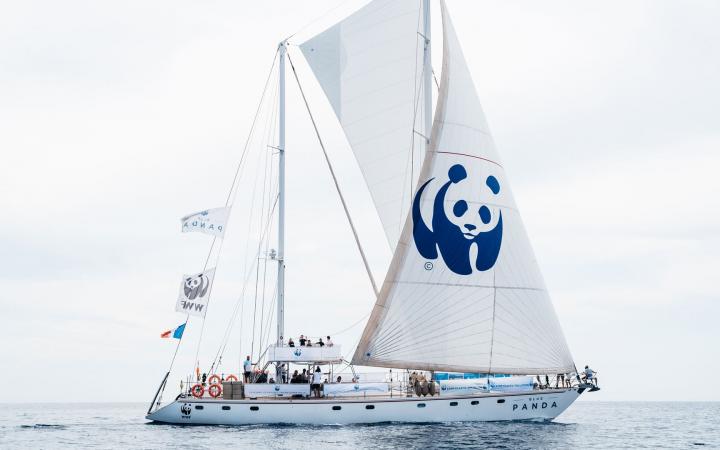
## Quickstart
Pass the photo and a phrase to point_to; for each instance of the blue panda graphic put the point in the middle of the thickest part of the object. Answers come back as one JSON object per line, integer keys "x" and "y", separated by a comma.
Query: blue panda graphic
{"x": 450, "y": 239}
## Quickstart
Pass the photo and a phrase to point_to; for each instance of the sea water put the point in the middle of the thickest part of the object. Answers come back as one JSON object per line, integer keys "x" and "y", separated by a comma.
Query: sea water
{"x": 585, "y": 425}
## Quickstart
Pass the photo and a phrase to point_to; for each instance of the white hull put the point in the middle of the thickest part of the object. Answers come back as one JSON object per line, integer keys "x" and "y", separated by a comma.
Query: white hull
{"x": 538, "y": 405}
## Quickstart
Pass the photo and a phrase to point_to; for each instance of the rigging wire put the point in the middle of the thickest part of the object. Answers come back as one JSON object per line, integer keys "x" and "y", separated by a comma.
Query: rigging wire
{"x": 337, "y": 185}
{"x": 266, "y": 221}
{"x": 239, "y": 304}
{"x": 307, "y": 25}
{"x": 416, "y": 103}
{"x": 228, "y": 204}
{"x": 351, "y": 326}
{"x": 227, "y": 201}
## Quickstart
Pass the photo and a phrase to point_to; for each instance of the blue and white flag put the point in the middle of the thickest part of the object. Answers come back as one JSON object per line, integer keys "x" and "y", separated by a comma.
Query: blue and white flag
{"x": 175, "y": 333}
{"x": 210, "y": 221}
{"x": 195, "y": 293}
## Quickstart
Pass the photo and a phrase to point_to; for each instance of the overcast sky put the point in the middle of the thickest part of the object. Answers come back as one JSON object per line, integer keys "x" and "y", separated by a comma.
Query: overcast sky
{"x": 117, "y": 118}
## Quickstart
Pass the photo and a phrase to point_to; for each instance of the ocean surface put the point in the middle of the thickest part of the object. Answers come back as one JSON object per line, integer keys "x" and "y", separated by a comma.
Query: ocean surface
{"x": 585, "y": 425}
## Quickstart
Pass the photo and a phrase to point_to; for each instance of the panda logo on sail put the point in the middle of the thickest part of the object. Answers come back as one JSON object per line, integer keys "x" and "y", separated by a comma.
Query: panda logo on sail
{"x": 453, "y": 238}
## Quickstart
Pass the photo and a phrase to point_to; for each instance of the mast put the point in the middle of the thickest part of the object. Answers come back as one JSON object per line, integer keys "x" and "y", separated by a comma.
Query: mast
{"x": 282, "y": 49}
{"x": 427, "y": 73}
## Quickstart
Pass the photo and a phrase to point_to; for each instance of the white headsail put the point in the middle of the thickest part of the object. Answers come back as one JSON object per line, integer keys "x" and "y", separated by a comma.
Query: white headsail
{"x": 369, "y": 66}
{"x": 463, "y": 292}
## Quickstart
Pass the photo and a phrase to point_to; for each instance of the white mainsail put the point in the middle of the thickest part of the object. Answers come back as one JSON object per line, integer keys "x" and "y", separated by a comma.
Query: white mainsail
{"x": 463, "y": 292}
{"x": 369, "y": 66}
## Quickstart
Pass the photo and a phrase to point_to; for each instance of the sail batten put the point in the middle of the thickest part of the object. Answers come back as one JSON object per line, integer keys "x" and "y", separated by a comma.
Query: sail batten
{"x": 463, "y": 292}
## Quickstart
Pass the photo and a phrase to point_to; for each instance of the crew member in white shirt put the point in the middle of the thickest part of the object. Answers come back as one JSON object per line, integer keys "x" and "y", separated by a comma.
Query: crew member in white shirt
{"x": 316, "y": 382}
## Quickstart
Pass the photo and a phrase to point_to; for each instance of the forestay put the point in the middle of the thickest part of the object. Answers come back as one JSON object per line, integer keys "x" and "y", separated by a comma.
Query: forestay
{"x": 369, "y": 67}
{"x": 463, "y": 292}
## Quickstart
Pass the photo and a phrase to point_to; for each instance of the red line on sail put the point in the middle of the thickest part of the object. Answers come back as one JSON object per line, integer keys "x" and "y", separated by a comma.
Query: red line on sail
{"x": 472, "y": 156}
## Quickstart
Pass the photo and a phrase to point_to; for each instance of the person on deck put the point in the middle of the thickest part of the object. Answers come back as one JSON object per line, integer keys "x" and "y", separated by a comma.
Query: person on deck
{"x": 589, "y": 376}
{"x": 316, "y": 382}
{"x": 262, "y": 378}
{"x": 204, "y": 378}
{"x": 303, "y": 377}
{"x": 321, "y": 343}
{"x": 302, "y": 340}
{"x": 559, "y": 380}
{"x": 328, "y": 342}
{"x": 295, "y": 378}
{"x": 247, "y": 370}
{"x": 279, "y": 373}
{"x": 291, "y": 343}
{"x": 339, "y": 379}
{"x": 308, "y": 343}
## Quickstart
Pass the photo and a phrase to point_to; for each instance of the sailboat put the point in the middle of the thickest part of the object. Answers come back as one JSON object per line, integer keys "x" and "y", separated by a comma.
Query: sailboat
{"x": 463, "y": 317}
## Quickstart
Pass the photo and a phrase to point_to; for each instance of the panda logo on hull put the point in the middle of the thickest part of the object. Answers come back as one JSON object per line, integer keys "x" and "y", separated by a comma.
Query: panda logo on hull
{"x": 453, "y": 239}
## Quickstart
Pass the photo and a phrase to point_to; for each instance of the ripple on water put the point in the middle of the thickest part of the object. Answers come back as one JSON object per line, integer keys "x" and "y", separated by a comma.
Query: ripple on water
{"x": 44, "y": 426}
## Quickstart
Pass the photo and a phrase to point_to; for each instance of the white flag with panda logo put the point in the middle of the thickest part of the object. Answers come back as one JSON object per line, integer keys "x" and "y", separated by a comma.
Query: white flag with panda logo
{"x": 210, "y": 221}
{"x": 195, "y": 292}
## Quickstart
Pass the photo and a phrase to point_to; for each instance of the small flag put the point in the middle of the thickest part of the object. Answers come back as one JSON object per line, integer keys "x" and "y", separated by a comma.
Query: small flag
{"x": 176, "y": 333}
{"x": 210, "y": 221}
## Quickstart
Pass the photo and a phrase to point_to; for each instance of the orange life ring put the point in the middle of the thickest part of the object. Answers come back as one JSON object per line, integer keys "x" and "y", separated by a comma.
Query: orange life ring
{"x": 215, "y": 390}
{"x": 231, "y": 378}
{"x": 197, "y": 391}
{"x": 214, "y": 379}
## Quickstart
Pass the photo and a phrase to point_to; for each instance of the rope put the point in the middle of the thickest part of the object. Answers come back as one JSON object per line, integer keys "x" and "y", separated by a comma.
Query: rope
{"x": 307, "y": 25}
{"x": 337, "y": 185}
{"x": 351, "y": 326}
{"x": 227, "y": 202}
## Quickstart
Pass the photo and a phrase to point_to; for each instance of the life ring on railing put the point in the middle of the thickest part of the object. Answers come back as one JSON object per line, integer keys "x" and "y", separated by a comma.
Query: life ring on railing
{"x": 214, "y": 379}
{"x": 231, "y": 378}
{"x": 215, "y": 390}
{"x": 197, "y": 391}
